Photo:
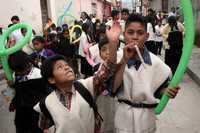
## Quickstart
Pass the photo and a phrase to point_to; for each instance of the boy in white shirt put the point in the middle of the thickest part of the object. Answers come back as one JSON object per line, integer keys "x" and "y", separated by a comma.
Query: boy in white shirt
{"x": 159, "y": 38}
{"x": 69, "y": 110}
{"x": 137, "y": 83}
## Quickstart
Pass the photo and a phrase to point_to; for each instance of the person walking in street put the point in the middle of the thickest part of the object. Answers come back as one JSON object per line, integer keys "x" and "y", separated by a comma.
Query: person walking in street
{"x": 173, "y": 33}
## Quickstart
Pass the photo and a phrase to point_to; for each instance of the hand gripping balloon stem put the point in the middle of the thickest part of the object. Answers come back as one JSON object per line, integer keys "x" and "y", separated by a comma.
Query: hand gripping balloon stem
{"x": 140, "y": 56}
{"x": 4, "y": 53}
{"x": 187, "y": 50}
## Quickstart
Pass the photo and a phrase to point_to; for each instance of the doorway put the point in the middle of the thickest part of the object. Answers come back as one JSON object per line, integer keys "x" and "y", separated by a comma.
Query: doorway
{"x": 44, "y": 11}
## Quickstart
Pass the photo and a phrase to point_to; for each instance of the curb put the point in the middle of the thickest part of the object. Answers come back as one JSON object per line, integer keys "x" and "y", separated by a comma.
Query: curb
{"x": 193, "y": 76}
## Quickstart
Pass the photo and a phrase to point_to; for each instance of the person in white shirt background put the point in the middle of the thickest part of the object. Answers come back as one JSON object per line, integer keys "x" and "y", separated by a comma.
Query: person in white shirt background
{"x": 150, "y": 43}
{"x": 159, "y": 39}
{"x": 16, "y": 35}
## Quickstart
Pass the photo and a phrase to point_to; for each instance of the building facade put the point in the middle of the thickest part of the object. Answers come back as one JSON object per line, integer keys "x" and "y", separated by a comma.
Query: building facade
{"x": 36, "y": 12}
{"x": 166, "y": 5}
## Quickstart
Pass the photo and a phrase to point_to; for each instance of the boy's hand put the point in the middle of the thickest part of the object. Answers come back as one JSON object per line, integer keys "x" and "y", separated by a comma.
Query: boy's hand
{"x": 113, "y": 33}
{"x": 172, "y": 92}
{"x": 129, "y": 52}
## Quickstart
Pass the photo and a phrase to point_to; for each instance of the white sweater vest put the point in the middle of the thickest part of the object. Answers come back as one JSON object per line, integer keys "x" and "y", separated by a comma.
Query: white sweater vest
{"x": 139, "y": 86}
{"x": 79, "y": 119}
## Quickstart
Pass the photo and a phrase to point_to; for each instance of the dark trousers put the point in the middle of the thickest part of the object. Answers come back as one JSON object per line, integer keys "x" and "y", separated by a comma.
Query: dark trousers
{"x": 172, "y": 58}
{"x": 26, "y": 121}
{"x": 159, "y": 47}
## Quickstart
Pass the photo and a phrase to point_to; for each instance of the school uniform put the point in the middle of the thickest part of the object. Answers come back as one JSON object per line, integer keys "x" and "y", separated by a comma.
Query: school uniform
{"x": 140, "y": 82}
{"x": 86, "y": 68}
{"x": 150, "y": 43}
{"x": 78, "y": 117}
{"x": 29, "y": 90}
{"x": 159, "y": 39}
{"x": 38, "y": 57}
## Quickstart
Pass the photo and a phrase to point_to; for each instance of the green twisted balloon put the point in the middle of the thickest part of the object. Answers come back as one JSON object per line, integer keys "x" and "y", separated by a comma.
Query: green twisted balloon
{"x": 187, "y": 50}
{"x": 4, "y": 53}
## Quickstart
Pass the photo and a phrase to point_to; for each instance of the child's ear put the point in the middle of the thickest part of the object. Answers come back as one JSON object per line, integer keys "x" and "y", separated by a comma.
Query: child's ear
{"x": 51, "y": 80}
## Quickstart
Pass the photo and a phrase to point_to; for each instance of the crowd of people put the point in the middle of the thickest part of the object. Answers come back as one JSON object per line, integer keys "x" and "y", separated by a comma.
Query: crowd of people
{"x": 99, "y": 84}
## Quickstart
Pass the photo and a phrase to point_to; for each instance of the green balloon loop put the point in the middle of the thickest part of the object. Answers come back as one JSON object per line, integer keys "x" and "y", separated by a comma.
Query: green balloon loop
{"x": 61, "y": 18}
{"x": 4, "y": 53}
{"x": 71, "y": 34}
{"x": 187, "y": 51}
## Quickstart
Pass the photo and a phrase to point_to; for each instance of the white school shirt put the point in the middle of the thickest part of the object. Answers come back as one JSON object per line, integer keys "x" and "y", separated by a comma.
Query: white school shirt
{"x": 150, "y": 31}
{"x": 139, "y": 86}
{"x": 29, "y": 48}
{"x": 35, "y": 73}
{"x": 83, "y": 43}
{"x": 79, "y": 119}
{"x": 16, "y": 35}
{"x": 159, "y": 37}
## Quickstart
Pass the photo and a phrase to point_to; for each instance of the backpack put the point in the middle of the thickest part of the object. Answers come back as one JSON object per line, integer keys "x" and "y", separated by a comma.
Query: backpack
{"x": 88, "y": 98}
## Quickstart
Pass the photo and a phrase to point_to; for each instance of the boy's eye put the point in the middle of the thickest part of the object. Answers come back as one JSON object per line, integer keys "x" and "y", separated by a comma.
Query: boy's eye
{"x": 61, "y": 66}
{"x": 140, "y": 32}
{"x": 103, "y": 49}
{"x": 131, "y": 32}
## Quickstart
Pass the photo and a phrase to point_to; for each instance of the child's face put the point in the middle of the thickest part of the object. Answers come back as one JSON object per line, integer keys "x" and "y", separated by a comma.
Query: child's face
{"x": 124, "y": 16}
{"x": 38, "y": 46}
{"x": 62, "y": 73}
{"x": 104, "y": 52}
{"x": 136, "y": 34}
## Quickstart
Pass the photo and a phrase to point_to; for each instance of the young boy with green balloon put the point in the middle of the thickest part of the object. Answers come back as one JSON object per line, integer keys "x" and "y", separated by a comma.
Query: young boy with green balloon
{"x": 141, "y": 78}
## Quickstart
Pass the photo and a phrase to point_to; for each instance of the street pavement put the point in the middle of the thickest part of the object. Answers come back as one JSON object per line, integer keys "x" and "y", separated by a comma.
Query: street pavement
{"x": 193, "y": 68}
{"x": 6, "y": 118}
{"x": 182, "y": 113}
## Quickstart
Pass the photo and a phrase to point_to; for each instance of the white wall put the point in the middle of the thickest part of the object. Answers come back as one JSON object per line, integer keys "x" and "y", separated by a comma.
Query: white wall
{"x": 77, "y": 7}
{"x": 156, "y": 5}
{"x": 28, "y": 10}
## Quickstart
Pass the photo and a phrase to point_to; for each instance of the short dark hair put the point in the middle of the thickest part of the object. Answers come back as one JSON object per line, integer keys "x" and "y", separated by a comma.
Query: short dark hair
{"x": 48, "y": 65}
{"x": 19, "y": 61}
{"x": 15, "y": 17}
{"x": 136, "y": 18}
{"x": 103, "y": 41}
{"x": 65, "y": 27}
{"x": 39, "y": 39}
{"x": 102, "y": 28}
{"x": 125, "y": 10}
{"x": 150, "y": 10}
{"x": 171, "y": 20}
{"x": 85, "y": 27}
{"x": 114, "y": 13}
